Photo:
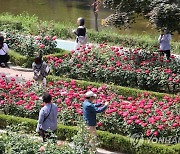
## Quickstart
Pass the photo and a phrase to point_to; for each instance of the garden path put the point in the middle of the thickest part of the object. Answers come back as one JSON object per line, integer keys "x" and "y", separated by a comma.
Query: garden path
{"x": 26, "y": 74}
{"x": 15, "y": 72}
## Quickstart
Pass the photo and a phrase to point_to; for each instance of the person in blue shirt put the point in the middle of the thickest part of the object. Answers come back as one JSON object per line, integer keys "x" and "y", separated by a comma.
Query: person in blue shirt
{"x": 47, "y": 117}
{"x": 89, "y": 113}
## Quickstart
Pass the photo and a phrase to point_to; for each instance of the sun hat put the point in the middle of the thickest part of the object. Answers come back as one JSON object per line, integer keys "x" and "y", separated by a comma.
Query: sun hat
{"x": 90, "y": 94}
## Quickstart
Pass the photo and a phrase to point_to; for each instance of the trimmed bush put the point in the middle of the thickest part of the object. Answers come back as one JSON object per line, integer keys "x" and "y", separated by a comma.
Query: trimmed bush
{"x": 128, "y": 92}
{"x": 20, "y": 60}
{"x": 107, "y": 140}
{"x": 124, "y": 67}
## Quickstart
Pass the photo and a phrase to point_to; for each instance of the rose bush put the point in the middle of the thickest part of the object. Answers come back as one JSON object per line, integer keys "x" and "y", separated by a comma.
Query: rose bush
{"x": 143, "y": 114}
{"x": 28, "y": 45}
{"x": 132, "y": 68}
{"x": 16, "y": 140}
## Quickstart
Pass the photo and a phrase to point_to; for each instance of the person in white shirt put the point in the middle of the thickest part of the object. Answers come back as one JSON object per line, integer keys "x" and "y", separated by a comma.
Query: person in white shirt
{"x": 164, "y": 41}
{"x": 4, "y": 57}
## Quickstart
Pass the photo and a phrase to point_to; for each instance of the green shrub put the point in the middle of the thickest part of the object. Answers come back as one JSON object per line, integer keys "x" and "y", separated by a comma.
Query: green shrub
{"x": 124, "y": 91}
{"x": 176, "y": 148}
{"x": 121, "y": 66}
{"x": 27, "y": 23}
{"x": 20, "y": 60}
{"x": 107, "y": 140}
{"x": 16, "y": 58}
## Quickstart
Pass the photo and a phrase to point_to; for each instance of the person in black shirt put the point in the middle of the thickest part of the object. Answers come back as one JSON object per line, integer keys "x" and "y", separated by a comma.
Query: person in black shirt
{"x": 81, "y": 38}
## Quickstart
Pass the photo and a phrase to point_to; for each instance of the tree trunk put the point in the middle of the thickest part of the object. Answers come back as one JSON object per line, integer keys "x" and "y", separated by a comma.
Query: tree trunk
{"x": 95, "y": 15}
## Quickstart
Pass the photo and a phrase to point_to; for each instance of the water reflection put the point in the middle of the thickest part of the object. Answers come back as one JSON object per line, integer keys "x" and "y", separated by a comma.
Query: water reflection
{"x": 68, "y": 11}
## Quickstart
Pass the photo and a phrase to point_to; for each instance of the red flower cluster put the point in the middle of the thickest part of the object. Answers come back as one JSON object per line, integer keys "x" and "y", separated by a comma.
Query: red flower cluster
{"x": 133, "y": 68}
{"x": 144, "y": 113}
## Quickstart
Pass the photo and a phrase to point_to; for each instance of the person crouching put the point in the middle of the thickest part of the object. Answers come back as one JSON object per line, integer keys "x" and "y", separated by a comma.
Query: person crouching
{"x": 40, "y": 69}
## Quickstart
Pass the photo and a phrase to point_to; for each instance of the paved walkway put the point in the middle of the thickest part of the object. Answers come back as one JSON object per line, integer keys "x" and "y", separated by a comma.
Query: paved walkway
{"x": 16, "y": 74}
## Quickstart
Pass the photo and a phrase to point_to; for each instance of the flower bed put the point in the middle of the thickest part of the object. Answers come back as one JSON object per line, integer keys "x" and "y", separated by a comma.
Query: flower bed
{"x": 28, "y": 45}
{"x": 12, "y": 142}
{"x": 143, "y": 114}
{"x": 132, "y": 68}
{"x": 107, "y": 140}
{"x": 24, "y": 61}
{"x": 18, "y": 138}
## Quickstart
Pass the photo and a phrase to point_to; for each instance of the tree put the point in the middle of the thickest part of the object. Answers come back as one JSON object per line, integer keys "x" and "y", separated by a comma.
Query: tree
{"x": 160, "y": 13}
{"x": 96, "y": 5}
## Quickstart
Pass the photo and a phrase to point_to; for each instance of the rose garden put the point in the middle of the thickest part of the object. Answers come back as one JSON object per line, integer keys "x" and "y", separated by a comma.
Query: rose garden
{"x": 142, "y": 86}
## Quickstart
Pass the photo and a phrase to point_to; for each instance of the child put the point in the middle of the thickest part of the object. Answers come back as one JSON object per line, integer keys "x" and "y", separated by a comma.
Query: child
{"x": 41, "y": 70}
{"x": 81, "y": 38}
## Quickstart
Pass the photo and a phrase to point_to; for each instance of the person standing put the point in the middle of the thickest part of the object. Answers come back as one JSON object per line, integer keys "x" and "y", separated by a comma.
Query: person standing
{"x": 47, "y": 117}
{"x": 81, "y": 37}
{"x": 40, "y": 69}
{"x": 89, "y": 114}
{"x": 164, "y": 41}
{"x": 4, "y": 57}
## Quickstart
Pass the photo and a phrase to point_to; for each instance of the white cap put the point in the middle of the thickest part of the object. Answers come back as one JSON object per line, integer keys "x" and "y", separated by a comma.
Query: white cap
{"x": 90, "y": 94}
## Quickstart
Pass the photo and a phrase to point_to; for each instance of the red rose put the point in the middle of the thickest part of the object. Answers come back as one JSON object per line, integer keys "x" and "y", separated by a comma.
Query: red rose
{"x": 42, "y": 46}
{"x": 99, "y": 124}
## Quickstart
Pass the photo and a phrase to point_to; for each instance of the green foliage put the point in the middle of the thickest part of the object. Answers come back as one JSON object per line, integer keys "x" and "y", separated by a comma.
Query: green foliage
{"x": 16, "y": 58}
{"x": 161, "y": 13}
{"x": 130, "y": 68}
{"x": 82, "y": 141}
{"x": 64, "y": 31}
{"x": 30, "y": 45}
{"x": 20, "y": 60}
{"x": 127, "y": 92}
{"x": 15, "y": 140}
{"x": 107, "y": 140}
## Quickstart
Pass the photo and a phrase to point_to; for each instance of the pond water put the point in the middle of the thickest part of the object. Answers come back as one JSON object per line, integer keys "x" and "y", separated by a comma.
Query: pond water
{"x": 69, "y": 11}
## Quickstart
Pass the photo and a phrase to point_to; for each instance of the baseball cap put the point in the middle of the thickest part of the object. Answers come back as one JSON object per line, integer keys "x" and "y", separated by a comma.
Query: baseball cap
{"x": 90, "y": 94}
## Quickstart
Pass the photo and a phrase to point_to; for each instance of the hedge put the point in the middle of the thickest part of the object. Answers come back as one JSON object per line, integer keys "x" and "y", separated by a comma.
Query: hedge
{"x": 107, "y": 140}
{"x": 20, "y": 60}
{"x": 24, "y": 23}
{"x": 125, "y": 91}
{"x": 13, "y": 24}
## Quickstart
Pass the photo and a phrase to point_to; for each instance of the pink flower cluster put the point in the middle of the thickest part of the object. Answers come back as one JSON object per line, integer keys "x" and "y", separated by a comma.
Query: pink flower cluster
{"x": 143, "y": 113}
{"x": 133, "y": 68}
